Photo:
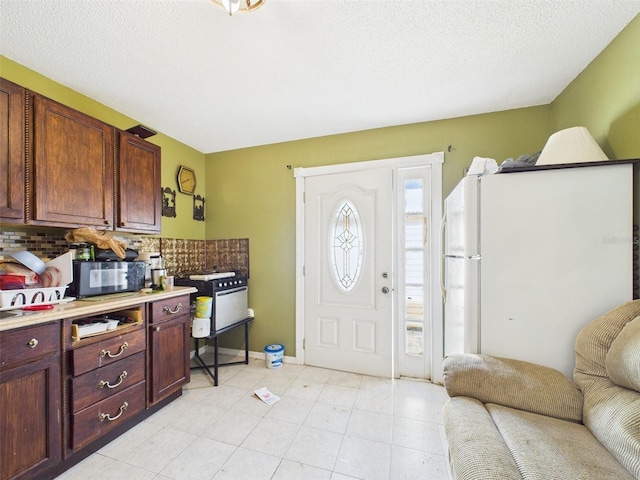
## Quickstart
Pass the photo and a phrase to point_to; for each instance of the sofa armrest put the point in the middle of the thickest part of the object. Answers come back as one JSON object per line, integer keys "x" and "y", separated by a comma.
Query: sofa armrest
{"x": 513, "y": 383}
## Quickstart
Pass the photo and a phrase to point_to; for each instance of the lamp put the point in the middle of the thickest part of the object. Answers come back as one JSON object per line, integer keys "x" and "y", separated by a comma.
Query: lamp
{"x": 239, "y": 6}
{"x": 571, "y": 145}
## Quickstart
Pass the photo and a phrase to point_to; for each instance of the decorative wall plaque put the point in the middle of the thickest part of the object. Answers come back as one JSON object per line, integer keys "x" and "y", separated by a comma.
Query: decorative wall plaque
{"x": 168, "y": 202}
{"x": 198, "y": 208}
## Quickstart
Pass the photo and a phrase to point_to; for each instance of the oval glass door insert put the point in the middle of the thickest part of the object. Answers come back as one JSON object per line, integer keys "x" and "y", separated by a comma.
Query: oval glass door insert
{"x": 346, "y": 246}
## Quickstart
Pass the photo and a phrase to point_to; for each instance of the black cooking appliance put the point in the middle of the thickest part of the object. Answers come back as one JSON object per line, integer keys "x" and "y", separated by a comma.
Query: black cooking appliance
{"x": 229, "y": 293}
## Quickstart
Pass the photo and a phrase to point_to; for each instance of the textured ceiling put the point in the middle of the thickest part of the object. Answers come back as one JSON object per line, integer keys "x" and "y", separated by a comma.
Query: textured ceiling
{"x": 302, "y": 68}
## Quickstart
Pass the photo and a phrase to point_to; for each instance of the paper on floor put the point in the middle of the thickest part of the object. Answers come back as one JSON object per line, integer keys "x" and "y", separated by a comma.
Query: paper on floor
{"x": 266, "y": 396}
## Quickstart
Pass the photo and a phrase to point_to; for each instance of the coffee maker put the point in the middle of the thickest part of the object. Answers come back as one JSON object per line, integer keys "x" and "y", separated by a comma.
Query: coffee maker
{"x": 154, "y": 268}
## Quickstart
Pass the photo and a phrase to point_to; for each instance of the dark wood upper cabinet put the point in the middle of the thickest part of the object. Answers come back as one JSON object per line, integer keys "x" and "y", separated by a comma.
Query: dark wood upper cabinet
{"x": 62, "y": 168}
{"x": 12, "y": 152}
{"x": 73, "y": 167}
{"x": 139, "y": 199}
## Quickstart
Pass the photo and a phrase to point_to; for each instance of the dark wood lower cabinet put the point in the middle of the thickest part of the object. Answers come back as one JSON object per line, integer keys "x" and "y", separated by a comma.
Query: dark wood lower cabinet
{"x": 168, "y": 357}
{"x": 30, "y": 419}
{"x": 62, "y": 398}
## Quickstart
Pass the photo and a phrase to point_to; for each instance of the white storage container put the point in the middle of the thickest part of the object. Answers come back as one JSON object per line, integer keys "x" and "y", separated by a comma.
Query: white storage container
{"x": 10, "y": 299}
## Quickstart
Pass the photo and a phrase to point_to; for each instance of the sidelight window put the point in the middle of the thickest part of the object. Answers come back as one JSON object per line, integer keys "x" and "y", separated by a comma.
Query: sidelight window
{"x": 414, "y": 245}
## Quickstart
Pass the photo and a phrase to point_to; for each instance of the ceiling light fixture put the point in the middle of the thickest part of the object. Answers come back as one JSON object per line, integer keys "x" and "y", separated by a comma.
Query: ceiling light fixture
{"x": 239, "y": 6}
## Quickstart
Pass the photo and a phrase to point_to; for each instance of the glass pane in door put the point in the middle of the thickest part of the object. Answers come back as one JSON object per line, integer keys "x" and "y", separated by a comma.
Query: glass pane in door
{"x": 346, "y": 246}
{"x": 414, "y": 244}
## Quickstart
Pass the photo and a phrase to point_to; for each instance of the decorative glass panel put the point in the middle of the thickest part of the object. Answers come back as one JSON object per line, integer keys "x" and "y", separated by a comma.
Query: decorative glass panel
{"x": 346, "y": 246}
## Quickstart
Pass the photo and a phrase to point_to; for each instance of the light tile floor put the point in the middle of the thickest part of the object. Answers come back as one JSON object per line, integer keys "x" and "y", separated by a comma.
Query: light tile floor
{"x": 327, "y": 425}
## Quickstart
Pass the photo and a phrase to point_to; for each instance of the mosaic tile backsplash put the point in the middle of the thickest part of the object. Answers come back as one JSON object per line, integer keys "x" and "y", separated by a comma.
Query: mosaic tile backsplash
{"x": 181, "y": 257}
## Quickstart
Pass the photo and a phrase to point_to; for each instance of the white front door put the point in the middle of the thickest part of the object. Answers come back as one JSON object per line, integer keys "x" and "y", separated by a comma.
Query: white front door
{"x": 368, "y": 267}
{"x": 348, "y": 271}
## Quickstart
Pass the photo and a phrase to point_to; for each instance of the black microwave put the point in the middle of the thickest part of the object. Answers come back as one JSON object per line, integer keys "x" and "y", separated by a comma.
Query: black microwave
{"x": 99, "y": 278}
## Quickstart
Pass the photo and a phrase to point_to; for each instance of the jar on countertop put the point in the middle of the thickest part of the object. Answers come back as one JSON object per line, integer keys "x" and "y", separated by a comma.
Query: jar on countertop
{"x": 80, "y": 251}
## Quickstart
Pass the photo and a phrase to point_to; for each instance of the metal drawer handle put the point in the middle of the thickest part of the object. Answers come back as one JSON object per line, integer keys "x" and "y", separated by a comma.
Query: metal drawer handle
{"x": 33, "y": 343}
{"x": 107, "y": 353}
{"x": 168, "y": 310}
{"x": 105, "y": 416}
{"x": 104, "y": 383}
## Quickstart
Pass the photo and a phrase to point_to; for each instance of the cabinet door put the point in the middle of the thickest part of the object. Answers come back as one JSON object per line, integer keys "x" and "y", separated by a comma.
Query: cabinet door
{"x": 169, "y": 357}
{"x": 12, "y": 152}
{"x": 30, "y": 433}
{"x": 139, "y": 190}
{"x": 73, "y": 167}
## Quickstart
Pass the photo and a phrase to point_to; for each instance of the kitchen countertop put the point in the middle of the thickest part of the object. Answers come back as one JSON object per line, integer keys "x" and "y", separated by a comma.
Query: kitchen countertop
{"x": 88, "y": 307}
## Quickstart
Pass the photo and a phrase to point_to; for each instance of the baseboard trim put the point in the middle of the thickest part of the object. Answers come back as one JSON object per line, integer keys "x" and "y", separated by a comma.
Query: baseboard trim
{"x": 238, "y": 355}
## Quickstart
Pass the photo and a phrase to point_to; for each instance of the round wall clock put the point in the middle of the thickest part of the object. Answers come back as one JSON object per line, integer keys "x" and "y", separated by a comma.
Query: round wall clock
{"x": 186, "y": 180}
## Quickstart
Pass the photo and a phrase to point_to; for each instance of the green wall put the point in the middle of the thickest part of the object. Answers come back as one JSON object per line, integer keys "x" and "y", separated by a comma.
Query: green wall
{"x": 174, "y": 153}
{"x": 605, "y": 97}
{"x": 252, "y": 191}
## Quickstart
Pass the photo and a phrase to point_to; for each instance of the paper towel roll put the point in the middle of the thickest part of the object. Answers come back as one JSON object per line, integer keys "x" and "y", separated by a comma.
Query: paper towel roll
{"x": 201, "y": 327}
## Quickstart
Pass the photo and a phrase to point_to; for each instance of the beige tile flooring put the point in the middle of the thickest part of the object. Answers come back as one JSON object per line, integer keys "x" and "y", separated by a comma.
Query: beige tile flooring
{"x": 327, "y": 425}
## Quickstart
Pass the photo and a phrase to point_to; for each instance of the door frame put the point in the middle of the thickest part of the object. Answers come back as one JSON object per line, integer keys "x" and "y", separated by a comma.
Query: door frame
{"x": 434, "y": 160}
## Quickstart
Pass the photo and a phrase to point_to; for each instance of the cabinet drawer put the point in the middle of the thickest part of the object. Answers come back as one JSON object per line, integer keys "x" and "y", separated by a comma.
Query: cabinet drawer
{"x": 26, "y": 344}
{"x": 90, "y": 357}
{"x": 104, "y": 382}
{"x": 96, "y": 420}
{"x": 169, "y": 309}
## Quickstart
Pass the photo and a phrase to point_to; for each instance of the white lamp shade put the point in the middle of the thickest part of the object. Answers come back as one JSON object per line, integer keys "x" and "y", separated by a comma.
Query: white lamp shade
{"x": 571, "y": 145}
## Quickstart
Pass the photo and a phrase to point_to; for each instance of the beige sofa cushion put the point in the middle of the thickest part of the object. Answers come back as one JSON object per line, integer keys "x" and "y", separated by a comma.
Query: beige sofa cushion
{"x": 623, "y": 359}
{"x": 546, "y": 448}
{"x": 476, "y": 448}
{"x": 513, "y": 383}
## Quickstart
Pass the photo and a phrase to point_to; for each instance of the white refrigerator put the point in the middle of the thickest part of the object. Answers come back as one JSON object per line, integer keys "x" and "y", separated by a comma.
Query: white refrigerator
{"x": 531, "y": 257}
